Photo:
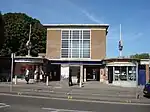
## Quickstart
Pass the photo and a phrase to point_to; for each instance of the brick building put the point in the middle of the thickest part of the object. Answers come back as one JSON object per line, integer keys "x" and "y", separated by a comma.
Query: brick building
{"x": 76, "y": 49}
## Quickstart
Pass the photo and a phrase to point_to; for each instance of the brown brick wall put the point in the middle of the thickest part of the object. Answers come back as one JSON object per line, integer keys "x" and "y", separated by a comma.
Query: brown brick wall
{"x": 98, "y": 44}
{"x": 53, "y": 44}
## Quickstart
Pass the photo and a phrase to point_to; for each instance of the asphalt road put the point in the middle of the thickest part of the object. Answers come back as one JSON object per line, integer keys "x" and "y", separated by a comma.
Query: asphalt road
{"x": 10, "y": 103}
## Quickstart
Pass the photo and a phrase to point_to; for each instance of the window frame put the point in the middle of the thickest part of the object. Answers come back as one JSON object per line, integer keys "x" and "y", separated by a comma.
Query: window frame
{"x": 81, "y": 39}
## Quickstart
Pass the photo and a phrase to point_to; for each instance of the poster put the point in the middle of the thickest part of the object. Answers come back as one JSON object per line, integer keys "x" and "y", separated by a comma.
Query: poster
{"x": 64, "y": 72}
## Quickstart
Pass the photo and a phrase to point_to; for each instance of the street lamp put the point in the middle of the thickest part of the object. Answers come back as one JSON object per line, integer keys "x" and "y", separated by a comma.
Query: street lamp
{"x": 12, "y": 70}
{"x": 28, "y": 44}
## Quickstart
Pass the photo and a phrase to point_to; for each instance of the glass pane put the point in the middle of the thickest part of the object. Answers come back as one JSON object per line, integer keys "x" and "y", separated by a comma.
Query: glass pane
{"x": 86, "y": 44}
{"x": 116, "y": 73}
{"x": 69, "y": 53}
{"x": 75, "y": 53}
{"x": 64, "y": 53}
{"x": 81, "y": 52}
{"x": 65, "y": 44}
{"x": 75, "y": 34}
{"x": 86, "y": 34}
{"x": 132, "y": 73}
{"x": 75, "y": 43}
{"x": 69, "y": 44}
{"x": 65, "y": 34}
{"x": 80, "y": 34}
{"x": 123, "y": 73}
{"x": 81, "y": 43}
{"x": 86, "y": 53}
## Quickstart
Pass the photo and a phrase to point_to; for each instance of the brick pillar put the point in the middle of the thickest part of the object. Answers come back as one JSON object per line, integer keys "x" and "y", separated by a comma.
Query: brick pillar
{"x": 106, "y": 74}
{"x": 102, "y": 75}
{"x": 147, "y": 73}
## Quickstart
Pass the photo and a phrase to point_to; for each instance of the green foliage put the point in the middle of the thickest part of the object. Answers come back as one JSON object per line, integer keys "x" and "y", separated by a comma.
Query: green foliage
{"x": 2, "y": 38}
{"x": 17, "y": 27}
{"x": 141, "y": 56}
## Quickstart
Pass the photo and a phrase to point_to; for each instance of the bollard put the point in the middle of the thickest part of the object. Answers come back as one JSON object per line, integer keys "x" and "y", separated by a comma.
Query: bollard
{"x": 81, "y": 75}
{"x": 80, "y": 84}
{"x": 15, "y": 79}
{"x": 47, "y": 80}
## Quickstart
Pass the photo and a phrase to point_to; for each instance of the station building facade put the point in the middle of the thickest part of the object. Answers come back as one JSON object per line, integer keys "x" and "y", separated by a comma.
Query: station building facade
{"x": 74, "y": 49}
{"x": 80, "y": 49}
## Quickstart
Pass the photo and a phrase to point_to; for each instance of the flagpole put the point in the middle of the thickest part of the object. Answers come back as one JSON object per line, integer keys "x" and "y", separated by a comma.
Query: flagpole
{"x": 30, "y": 33}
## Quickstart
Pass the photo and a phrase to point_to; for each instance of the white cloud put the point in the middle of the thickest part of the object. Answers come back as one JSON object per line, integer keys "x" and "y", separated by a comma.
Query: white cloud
{"x": 86, "y": 13}
{"x": 91, "y": 17}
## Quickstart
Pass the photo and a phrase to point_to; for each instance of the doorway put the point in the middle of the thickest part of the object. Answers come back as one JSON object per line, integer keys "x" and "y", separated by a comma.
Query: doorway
{"x": 92, "y": 72}
{"x": 55, "y": 72}
{"x": 74, "y": 71}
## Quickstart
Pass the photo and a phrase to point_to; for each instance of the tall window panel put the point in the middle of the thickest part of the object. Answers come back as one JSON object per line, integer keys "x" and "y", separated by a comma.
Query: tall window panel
{"x": 75, "y": 44}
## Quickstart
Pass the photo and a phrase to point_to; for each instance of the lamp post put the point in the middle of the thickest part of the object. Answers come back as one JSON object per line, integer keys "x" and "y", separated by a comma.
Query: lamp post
{"x": 28, "y": 44}
{"x": 12, "y": 69}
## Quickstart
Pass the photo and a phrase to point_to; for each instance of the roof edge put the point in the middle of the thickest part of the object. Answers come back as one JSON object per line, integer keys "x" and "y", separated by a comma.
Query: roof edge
{"x": 75, "y": 25}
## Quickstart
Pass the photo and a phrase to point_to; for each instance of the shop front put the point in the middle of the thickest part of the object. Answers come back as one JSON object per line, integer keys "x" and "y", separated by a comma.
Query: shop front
{"x": 86, "y": 70}
{"x": 23, "y": 63}
{"x": 123, "y": 72}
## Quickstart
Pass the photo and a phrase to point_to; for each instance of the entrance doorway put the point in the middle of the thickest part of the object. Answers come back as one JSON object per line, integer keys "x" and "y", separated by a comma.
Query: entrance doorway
{"x": 74, "y": 71}
{"x": 55, "y": 72}
{"x": 92, "y": 72}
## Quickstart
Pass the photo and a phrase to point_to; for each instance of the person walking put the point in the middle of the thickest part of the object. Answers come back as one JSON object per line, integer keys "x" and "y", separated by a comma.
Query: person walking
{"x": 70, "y": 78}
{"x": 36, "y": 74}
{"x": 41, "y": 74}
{"x": 27, "y": 75}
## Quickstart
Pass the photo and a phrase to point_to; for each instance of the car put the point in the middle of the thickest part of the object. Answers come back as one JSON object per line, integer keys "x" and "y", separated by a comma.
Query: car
{"x": 146, "y": 90}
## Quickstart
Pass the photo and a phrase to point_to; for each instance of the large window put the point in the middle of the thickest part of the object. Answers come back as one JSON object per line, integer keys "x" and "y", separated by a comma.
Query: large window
{"x": 132, "y": 73}
{"x": 75, "y": 44}
{"x": 120, "y": 73}
{"x": 125, "y": 73}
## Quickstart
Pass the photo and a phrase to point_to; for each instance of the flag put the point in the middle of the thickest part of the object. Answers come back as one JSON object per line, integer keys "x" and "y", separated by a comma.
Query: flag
{"x": 120, "y": 45}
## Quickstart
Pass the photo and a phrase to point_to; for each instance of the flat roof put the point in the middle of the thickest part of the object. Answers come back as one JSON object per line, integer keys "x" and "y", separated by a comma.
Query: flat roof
{"x": 76, "y": 25}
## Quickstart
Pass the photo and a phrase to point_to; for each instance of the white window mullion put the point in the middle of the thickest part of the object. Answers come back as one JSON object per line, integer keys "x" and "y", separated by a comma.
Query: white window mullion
{"x": 79, "y": 43}
{"x": 71, "y": 42}
{"x": 69, "y": 45}
{"x": 82, "y": 43}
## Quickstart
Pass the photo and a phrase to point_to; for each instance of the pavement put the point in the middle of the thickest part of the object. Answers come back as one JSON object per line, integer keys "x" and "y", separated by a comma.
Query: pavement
{"x": 91, "y": 91}
{"x": 10, "y": 103}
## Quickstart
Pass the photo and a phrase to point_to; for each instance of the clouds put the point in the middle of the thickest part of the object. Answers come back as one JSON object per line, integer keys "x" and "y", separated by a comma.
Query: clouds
{"x": 89, "y": 15}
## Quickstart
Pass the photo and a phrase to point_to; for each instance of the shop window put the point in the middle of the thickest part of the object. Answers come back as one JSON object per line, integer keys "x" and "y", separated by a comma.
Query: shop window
{"x": 132, "y": 73}
{"x": 120, "y": 73}
{"x": 116, "y": 74}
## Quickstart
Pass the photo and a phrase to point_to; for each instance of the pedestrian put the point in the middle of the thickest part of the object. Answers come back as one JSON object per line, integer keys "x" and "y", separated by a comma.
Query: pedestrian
{"x": 70, "y": 78}
{"x": 27, "y": 75}
{"x": 41, "y": 74}
{"x": 36, "y": 74}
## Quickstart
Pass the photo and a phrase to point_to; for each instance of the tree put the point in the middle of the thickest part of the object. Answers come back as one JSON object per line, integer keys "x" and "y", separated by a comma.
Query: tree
{"x": 141, "y": 56}
{"x": 2, "y": 38}
{"x": 17, "y": 27}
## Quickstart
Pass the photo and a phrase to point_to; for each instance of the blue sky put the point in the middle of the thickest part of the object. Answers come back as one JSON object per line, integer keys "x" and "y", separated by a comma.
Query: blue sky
{"x": 133, "y": 15}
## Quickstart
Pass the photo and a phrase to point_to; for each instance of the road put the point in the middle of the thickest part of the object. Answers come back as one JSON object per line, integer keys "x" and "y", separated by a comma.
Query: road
{"x": 13, "y": 103}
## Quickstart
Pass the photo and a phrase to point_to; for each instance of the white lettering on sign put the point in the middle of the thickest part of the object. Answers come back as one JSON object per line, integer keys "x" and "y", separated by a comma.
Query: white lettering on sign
{"x": 63, "y": 110}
